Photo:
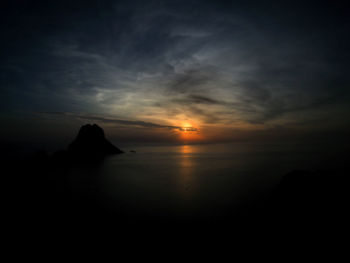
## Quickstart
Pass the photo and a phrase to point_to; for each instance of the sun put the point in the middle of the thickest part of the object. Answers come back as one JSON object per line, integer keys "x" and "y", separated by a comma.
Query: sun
{"x": 187, "y": 127}
{"x": 189, "y": 133}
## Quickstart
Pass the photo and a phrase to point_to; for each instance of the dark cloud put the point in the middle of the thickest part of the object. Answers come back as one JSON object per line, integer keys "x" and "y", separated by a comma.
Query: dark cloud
{"x": 194, "y": 79}
{"x": 202, "y": 99}
{"x": 118, "y": 121}
{"x": 198, "y": 99}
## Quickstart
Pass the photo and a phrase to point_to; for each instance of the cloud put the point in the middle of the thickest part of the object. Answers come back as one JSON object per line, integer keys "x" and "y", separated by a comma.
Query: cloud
{"x": 199, "y": 99}
{"x": 119, "y": 121}
{"x": 194, "y": 79}
{"x": 218, "y": 64}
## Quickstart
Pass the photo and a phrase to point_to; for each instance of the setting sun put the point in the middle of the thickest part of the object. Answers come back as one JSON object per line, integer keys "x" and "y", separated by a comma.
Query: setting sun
{"x": 188, "y": 133}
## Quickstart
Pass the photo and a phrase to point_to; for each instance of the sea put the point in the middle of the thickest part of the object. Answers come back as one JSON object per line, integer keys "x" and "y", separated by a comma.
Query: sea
{"x": 205, "y": 181}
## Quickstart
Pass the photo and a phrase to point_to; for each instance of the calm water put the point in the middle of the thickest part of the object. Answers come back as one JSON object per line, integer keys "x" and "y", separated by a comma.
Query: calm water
{"x": 198, "y": 180}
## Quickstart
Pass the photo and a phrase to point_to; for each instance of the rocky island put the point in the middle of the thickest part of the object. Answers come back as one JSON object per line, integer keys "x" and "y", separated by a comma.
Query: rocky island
{"x": 91, "y": 141}
{"x": 89, "y": 145}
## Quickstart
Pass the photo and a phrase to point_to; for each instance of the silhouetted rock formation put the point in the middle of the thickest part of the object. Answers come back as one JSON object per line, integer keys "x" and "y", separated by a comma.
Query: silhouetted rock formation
{"x": 91, "y": 143}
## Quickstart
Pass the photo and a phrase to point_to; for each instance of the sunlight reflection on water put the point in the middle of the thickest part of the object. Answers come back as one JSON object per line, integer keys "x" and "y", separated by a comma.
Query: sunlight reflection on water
{"x": 186, "y": 175}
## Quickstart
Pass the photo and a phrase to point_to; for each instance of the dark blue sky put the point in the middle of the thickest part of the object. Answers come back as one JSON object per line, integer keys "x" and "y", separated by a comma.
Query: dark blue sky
{"x": 146, "y": 69}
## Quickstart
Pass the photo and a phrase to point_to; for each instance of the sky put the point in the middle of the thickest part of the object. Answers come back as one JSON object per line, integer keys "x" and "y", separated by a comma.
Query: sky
{"x": 174, "y": 71}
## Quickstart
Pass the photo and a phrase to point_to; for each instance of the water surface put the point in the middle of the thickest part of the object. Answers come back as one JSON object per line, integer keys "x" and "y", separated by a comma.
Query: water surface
{"x": 186, "y": 181}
